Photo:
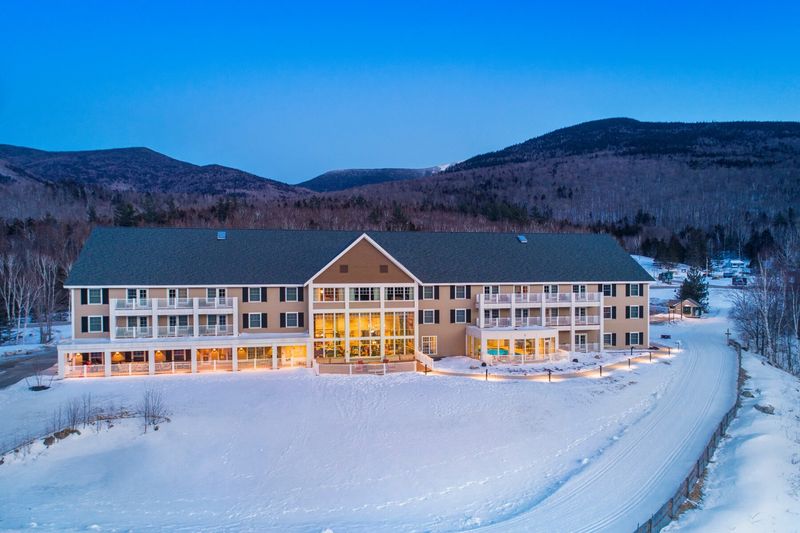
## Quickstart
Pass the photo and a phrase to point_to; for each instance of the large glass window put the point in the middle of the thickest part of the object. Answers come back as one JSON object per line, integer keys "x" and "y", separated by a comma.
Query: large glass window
{"x": 365, "y": 325}
{"x": 329, "y": 349}
{"x": 329, "y": 325}
{"x": 365, "y": 348}
{"x": 365, "y": 294}
{"x": 399, "y": 324}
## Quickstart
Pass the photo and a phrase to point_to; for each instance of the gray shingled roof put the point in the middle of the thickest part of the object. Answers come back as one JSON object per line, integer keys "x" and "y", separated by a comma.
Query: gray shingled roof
{"x": 176, "y": 257}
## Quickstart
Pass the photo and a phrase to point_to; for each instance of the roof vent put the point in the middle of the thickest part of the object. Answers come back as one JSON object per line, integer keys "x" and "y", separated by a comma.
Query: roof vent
{"x": 522, "y": 238}
{"x": 222, "y": 235}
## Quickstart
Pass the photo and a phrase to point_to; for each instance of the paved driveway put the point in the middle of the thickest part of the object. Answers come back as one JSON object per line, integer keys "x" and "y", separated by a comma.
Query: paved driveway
{"x": 15, "y": 369}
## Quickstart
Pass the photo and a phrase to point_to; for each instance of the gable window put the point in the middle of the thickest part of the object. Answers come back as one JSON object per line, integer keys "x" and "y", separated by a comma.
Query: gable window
{"x": 383, "y": 269}
{"x": 95, "y": 324}
{"x": 428, "y": 293}
{"x": 95, "y": 296}
{"x": 399, "y": 293}
{"x": 254, "y": 294}
{"x": 491, "y": 289}
{"x": 429, "y": 345}
{"x": 343, "y": 269}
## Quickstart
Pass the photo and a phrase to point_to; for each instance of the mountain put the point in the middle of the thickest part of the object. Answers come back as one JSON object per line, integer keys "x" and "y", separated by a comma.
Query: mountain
{"x": 621, "y": 173}
{"x": 338, "y": 180}
{"x": 132, "y": 169}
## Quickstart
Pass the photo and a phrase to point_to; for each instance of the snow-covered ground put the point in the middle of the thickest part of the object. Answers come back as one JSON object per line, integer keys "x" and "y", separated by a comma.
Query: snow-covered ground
{"x": 31, "y": 343}
{"x": 753, "y": 481}
{"x": 288, "y": 451}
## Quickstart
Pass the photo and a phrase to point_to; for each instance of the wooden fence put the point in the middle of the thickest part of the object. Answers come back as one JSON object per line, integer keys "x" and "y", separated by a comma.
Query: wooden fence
{"x": 672, "y": 507}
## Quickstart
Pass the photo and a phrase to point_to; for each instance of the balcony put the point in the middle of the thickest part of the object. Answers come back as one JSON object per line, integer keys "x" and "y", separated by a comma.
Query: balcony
{"x": 134, "y": 333}
{"x": 215, "y": 303}
{"x": 141, "y": 304}
{"x": 527, "y": 322}
{"x": 589, "y": 320}
{"x": 215, "y": 331}
{"x": 174, "y": 303}
{"x": 536, "y": 298}
{"x": 559, "y": 297}
{"x": 175, "y": 331}
{"x": 528, "y": 298}
{"x": 557, "y": 321}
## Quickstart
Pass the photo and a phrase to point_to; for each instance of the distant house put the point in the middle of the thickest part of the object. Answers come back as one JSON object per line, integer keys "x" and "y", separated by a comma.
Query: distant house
{"x": 688, "y": 307}
{"x": 665, "y": 277}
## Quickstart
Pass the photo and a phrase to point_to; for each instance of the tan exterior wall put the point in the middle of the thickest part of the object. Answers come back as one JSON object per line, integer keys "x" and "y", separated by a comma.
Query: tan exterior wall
{"x": 363, "y": 266}
{"x": 451, "y": 338}
{"x": 621, "y": 325}
{"x": 79, "y": 311}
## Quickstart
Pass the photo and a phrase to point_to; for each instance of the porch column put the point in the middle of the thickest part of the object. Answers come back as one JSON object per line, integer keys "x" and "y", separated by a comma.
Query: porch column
{"x": 106, "y": 363}
{"x": 193, "y": 352}
{"x": 572, "y": 322}
{"x": 154, "y": 318}
{"x": 235, "y": 357}
{"x": 151, "y": 361}
{"x": 274, "y": 357}
{"x": 309, "y": 354}
{"x": 62, "y": 363}
{"x": 195, "y": 321}
{"x": 484, "y": 355}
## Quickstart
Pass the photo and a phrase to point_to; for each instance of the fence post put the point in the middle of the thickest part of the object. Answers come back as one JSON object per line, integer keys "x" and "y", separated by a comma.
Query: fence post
{"x": 487, "y": 374}
{"x": 601, "y": 371}
{"x": 651, "y": 356}
{"x": 629, "y": 362}
{"x": 549, "y": 375}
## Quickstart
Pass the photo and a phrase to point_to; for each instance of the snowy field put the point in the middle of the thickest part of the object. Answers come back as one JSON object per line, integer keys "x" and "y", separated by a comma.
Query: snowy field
{"x": 31, "y": 342}
{"x": 288, "y": 451}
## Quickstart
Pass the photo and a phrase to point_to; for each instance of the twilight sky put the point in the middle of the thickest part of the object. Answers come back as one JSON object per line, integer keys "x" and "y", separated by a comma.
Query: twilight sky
{"x": 290, "y": 90}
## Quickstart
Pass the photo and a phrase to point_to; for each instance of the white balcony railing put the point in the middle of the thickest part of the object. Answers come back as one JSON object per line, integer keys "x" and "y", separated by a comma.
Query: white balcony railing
{"x": 495, "y": 298}
{"x": 557, "y": 321}
{"x": 537, "y": 298}
{"x": 527, "y": 322}
{"x": 134, "y": 332}
{"x": 497, "y": 322}
{"x": 581, "y": 348}
{"x": 590, "y": 297}
{"x": 216, "y": 330}
{"x": 132, "y": 304}
{"x": 589, "y": 320}
{"x": 528, "y": 298}
{"x": 215, "y": 303}
{"x": 174, "y": 303}
{"x": 175, "y": 331}
{"x": 559, "y": 297}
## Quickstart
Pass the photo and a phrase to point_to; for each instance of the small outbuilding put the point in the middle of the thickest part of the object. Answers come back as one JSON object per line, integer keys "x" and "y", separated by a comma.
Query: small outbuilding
{"x": 688, "y": 308}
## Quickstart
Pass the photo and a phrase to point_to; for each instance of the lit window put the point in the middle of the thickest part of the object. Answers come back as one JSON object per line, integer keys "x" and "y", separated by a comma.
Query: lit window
{"x": 429, "y": 345}
{"x": 399, "y": 293}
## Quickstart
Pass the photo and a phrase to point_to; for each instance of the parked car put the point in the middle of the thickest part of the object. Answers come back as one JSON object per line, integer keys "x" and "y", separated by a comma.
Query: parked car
{"x": 740, "y": 281}
{"x": 727, "y": 274}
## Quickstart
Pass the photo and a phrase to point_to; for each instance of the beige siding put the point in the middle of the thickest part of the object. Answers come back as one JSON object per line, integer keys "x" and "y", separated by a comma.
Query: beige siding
{"x": 363, "y": 266}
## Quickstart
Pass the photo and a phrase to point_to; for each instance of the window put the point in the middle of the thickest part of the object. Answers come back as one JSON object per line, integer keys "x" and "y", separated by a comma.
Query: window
{"x": 609, "y": 312}
{"x": 174, "y": 294}
{"x": 137, "y": 294}
{"x": 292, "y": 320}
{"x": 580, "y": 312}
{"x": 328, "y": 294}
{"x": 365, "y": 294}
{"x": 492, "y": 313}
{"x": 95, "y": 324}
{"x": 215, "y": 293}
{"x": 609, "y": 290}
{"x": 551, "y": 289}
{"x": 523, "y": 312}
{"x": 579, "y": 289}
{"x": 460, "y": 292}
{"x": 428, "y": 316}
{"x": 343, "y": 269}
{"x": 399, "y": 324}
{"x": 329, "y": 325}
{"x": 254, "y": 294}
{"x": 634, "y": 337}
{"x": 610, "y": 339}
{"x": 632, "y": 311}
{"x": 399, "y": 293}
{"x": 95, "y": 296}
{"x": 491, "y": 289}
{"x": 522, "y": 289}
{"x": 460, "y": 316}
{"x": 634, "y": 289}
{"x": 179, "y": 320}
{"x": 429, "y": 345}
{"x": 383, "y": 269}
{"x": 253, "y": 320}
{"x": 292, "y": 294}
{"x": 428, "y": 293}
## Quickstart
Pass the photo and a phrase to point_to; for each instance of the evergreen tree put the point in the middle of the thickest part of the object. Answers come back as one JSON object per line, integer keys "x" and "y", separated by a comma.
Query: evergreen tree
{"x": 695, "y": 287}
{"x": 124, "y": 214}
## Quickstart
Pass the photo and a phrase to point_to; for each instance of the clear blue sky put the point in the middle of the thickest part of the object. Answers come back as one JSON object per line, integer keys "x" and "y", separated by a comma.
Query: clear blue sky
{"x": 289, "y": 91}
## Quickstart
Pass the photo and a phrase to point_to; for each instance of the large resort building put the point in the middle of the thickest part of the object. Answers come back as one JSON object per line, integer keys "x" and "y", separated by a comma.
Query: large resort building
{"x": 153, "y": 301}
